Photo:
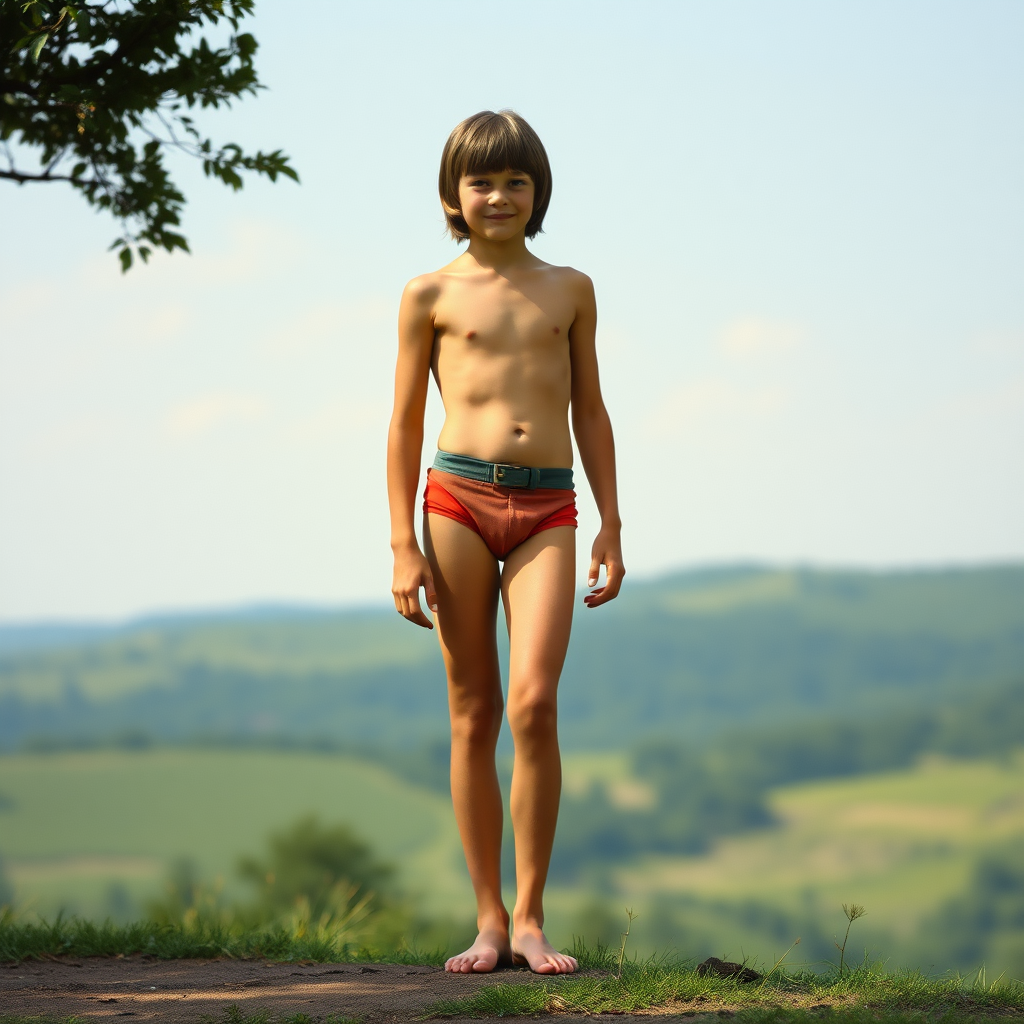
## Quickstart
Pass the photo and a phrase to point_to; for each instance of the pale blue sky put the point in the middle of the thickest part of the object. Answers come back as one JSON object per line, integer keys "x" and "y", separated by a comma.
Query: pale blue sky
{"x": 805, "y": 222}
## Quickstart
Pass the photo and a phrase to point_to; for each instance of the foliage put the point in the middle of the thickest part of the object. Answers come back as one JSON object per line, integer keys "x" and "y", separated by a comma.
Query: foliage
{"x": 6, "y": 889}
{"x": 969, "y": 928}
{"x": 704, "y": 793}
{"x": 861, "y": 646}
{"x": 318, "y": 883}
{"x": 309, "y": 861}
{"x": 100, "y": 90}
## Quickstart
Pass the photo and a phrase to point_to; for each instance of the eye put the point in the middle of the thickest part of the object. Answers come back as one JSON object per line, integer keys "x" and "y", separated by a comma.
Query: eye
{"x": 519, "y": 182}
{"x": 479, "y": 183}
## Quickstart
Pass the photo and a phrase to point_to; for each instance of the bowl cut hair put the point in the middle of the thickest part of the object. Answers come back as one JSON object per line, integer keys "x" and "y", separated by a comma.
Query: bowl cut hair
{"x": 489, "y": 142}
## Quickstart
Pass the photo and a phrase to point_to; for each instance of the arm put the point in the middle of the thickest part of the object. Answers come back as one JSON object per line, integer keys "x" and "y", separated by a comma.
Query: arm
{"x": 405, "y": 445}
{"x": 593, "y": 431}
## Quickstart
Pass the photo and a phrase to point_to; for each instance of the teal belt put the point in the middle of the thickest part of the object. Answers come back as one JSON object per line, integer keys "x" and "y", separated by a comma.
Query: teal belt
{"x": 503, "y": 474}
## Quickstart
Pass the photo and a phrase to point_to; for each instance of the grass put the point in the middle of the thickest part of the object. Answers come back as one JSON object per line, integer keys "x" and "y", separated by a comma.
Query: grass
{"x": 863, "y": 994}
{"x": 866, "y": 993}
{"x": 20, "y": 940}
{"x": 232, "y": 1015}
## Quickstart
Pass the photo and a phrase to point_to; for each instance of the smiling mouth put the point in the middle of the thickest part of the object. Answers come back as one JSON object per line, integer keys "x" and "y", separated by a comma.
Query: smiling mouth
{"x": 499, "y": 216}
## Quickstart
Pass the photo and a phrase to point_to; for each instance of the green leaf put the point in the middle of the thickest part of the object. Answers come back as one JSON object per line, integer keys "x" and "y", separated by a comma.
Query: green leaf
{"x": 125, "y": 256}
{"x": 37, "y": 45}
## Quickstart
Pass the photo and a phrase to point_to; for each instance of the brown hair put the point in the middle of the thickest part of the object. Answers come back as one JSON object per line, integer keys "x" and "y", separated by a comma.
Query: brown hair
{"x": 488, "y": 142}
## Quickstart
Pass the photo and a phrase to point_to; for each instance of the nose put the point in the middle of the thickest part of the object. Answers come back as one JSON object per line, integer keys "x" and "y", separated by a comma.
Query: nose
{"x": 497, "y": 198}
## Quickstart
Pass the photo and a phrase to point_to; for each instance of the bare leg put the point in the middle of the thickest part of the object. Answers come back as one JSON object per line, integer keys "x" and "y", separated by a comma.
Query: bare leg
{"x": 537, "y": 588}
{"x": 466, "y": 579}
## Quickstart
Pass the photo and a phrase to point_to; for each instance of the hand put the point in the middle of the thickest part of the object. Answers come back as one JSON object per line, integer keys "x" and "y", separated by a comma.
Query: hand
{"x": 607, "y": 551}
{"x": 412, "y": 571}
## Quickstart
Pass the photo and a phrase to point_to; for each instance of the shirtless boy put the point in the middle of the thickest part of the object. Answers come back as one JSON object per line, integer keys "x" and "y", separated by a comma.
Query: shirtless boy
{"x": 510, "y": 342}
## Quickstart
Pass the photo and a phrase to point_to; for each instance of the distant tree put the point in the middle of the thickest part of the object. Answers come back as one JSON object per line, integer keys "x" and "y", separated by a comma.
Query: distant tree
{"x": 99, "y": 90}
{"x": 6, "y": 889}
{"x": 309, "y": 860}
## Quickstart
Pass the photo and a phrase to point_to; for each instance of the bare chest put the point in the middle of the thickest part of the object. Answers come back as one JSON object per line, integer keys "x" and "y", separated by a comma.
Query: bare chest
{"x": 501, "y": 320}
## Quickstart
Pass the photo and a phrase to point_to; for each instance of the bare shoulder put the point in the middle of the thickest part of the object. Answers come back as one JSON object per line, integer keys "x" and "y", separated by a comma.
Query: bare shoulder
{"x": 577, "y": 285}
{"x": 424, "y": 290}
{"x": 573, "y": 281}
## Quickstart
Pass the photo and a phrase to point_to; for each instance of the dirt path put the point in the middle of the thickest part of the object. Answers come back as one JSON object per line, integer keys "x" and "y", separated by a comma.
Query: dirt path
{"x": 185, "y": 990}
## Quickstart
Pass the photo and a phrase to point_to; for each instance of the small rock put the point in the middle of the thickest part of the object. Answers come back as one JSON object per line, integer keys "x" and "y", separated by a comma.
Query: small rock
{"x": 724, "y": 969}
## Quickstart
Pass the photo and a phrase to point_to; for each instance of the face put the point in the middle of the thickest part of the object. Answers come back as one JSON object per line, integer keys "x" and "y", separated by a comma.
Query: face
{"x": 496, "y": 205}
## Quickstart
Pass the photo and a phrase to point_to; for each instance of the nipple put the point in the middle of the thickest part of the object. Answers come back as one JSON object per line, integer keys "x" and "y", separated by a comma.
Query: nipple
{"x": 471, "y": 335}
{"x": 556, "y": 330}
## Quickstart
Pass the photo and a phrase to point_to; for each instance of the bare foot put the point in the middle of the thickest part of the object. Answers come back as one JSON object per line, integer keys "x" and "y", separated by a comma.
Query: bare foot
{"x": 490, "y": 949}
{"x": 531, "y": 949}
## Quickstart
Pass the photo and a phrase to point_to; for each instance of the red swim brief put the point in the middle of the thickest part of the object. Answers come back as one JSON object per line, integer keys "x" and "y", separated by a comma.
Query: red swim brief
{"x": 503, "y": 516}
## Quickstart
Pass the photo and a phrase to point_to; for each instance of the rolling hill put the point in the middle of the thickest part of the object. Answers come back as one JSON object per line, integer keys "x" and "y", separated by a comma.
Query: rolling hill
{"x": 691, "y": 656}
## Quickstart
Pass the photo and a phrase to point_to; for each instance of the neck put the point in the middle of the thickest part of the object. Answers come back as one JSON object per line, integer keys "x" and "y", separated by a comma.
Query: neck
{"x": 499, "y": 255}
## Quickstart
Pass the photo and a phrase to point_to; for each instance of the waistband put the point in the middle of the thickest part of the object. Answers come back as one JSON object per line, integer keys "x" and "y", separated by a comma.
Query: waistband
{"x": 503, "y": 474}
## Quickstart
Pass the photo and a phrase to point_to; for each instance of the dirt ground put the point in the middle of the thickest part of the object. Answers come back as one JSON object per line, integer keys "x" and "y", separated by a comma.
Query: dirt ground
{"x": 185, "y": 990}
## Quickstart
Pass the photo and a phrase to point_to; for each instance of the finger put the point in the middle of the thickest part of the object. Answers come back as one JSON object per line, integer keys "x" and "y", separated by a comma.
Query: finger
{"x": 613, "y": 581}
{"x": 409, "y": 608}
{"x": 599, "y": 597}
{"x": 595, "y": 569}
{"x": 415, "y": 613}
{"x": 431, "y": 593}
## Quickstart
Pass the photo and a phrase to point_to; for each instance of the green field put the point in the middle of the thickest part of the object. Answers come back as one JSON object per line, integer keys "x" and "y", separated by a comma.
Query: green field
{"x": 77, "y": 823}
{"x": 900, "y": 843}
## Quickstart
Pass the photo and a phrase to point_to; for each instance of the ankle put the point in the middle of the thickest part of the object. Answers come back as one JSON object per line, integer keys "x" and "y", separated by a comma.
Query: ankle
{"x": 522, "y": 923}
{"x": 495, "y": 921}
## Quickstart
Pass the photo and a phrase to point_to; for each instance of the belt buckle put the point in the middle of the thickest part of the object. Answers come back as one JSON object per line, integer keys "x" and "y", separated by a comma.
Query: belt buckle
{"x": 503, "y": 470}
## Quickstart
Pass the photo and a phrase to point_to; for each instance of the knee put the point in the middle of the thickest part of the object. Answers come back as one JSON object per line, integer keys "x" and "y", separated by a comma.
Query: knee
{"x": 533, "y": 714}
{"x": 477, "y": 720}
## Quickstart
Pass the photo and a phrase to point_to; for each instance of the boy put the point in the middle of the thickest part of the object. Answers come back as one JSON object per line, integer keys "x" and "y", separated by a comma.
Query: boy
{"x": 510, "y": 342}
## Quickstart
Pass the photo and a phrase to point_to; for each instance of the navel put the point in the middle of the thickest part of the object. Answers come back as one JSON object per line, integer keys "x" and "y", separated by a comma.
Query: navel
{"x": 471, "y": 335}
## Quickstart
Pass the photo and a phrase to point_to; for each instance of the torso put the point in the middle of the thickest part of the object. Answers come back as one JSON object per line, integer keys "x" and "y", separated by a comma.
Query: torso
{"x": 501, "y": 359}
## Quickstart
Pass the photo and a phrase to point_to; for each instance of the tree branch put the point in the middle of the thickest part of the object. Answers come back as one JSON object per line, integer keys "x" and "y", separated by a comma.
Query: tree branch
{"x": 21, "y": 178}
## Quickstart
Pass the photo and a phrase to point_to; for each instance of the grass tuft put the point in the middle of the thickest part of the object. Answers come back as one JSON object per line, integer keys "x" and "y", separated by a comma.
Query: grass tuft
{"x": 864, "y": 994}
{"x": 21, "y": 940}
{"x": 501, "y": 1000}
{"x": 234, "y": 1015}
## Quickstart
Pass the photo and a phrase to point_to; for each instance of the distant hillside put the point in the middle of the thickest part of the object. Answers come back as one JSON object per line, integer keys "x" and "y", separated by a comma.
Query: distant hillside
{"x": 689, "y": 656}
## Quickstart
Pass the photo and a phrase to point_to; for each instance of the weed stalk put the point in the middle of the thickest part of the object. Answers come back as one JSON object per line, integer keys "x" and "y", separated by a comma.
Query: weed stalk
{"x": 625, "y": 935}
{"x": 778, "y": 963}
{"x": 852, "y": 912}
